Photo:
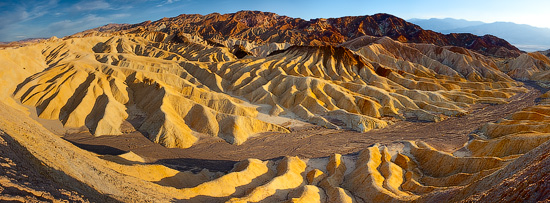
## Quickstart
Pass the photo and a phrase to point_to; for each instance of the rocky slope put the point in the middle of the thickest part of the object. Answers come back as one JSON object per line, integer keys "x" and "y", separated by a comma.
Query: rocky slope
{"x": 525, "y": 37}
{"x": 528, "y": 66}
{"x": 229, "y": 77}
{"x": 405, "y": 172}
{"x": 174, "y": 90}
{"x": 264, "y": 28}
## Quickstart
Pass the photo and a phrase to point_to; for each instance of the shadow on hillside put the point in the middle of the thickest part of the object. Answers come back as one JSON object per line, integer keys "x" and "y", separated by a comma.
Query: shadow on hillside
{"x": 196, "y": 165}
{"x": 40, "y": 175}
{"x": 98, "y": 149}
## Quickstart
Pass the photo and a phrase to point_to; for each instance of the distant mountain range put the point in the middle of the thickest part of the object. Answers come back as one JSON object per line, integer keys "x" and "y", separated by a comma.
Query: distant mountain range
{"x": 525, "y": 37}
{"x": 20, "y": 42}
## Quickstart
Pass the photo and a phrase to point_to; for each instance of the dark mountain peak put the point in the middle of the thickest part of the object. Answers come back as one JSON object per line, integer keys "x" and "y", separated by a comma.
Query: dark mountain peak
{"x": 384, "y": 16}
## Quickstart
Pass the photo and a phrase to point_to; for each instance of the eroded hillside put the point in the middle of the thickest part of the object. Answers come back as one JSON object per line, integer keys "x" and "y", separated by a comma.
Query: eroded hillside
{"x": 177, "y": 89}
{"x": 263, "y": 28}
{"x": 183, "y": 86}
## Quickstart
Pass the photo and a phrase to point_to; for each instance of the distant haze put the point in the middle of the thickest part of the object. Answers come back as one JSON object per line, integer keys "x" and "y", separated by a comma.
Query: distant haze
{"x": 525, "y": 37}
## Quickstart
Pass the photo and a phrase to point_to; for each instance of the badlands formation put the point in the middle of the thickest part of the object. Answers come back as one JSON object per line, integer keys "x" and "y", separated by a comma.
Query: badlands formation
{"x": 183, "y": 81}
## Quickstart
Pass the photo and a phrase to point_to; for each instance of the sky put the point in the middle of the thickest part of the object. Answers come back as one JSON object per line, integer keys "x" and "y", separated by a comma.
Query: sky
{"x": 22, "y": 19}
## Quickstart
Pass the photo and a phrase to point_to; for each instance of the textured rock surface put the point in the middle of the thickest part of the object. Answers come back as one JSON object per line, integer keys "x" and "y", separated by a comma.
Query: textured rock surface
{"x": 178, "y": 87}
{"x": 529, "y": 66}
{"x": 265, "y": 28}
{"x": 415, "y": 171}
{"x": 100, "y": 82}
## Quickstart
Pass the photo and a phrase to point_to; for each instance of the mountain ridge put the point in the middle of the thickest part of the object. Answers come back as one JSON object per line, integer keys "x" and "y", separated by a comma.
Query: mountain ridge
{"x": 526, "y": 37}
{"x": 443, "y": 23}
{"x": 265, "y": 27}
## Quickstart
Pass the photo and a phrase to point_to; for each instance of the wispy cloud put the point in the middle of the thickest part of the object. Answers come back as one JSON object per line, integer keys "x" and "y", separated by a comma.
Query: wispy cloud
{"x": 22, "y": 12}
{"x": 167, "y": 2}
{"x": 14, "y": 14}
{"x": 118, "y": 15}
{"x": 41, "y": 8}
{"x": 44, "y": 18}
{"x": 68, "y": 27}
{"x": 91, "y": 5}
{"x": 17, "y": 15}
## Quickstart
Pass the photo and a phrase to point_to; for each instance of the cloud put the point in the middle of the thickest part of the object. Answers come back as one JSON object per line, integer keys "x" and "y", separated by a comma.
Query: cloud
{"x": 13, "y": 32}
{"x": 64, "y": 24}
{"x": 167, "y": 2}
{"x": 119, "y": 15}
{"x": 17, "y": 13}
{"x": 13, "y": 16}
{"x": 69, "y": 27}
{"x": 91, "y": 5}
{"x": 40, "y": 9}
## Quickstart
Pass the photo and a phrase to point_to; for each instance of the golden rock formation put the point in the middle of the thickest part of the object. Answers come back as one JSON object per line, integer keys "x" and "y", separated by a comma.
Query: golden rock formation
{"x": 416, "y": 171}
{"x": 123, "y": 81}
{"x": 178, "y": 88}
{"x": 528, "y": 66}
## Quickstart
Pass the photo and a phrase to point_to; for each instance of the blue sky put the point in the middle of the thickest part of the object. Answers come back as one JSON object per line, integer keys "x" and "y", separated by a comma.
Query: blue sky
{"x": 33, "y": 18}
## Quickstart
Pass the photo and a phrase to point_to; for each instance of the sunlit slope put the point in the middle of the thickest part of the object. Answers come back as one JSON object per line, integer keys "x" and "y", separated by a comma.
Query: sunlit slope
{"x": 100, "y": 82}
{"x": 176, "y": 87}
{"x": 402, "y": 172}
